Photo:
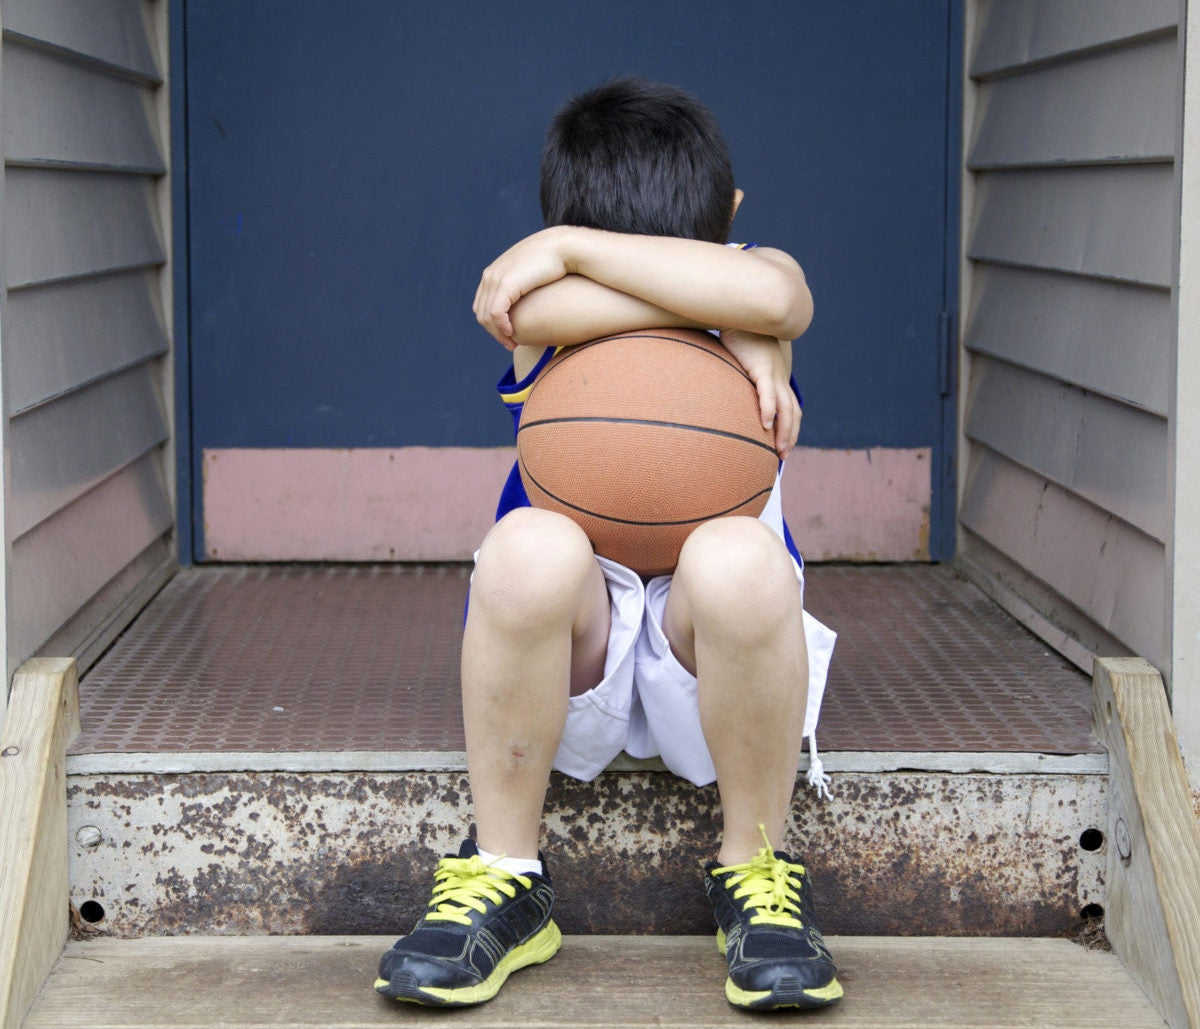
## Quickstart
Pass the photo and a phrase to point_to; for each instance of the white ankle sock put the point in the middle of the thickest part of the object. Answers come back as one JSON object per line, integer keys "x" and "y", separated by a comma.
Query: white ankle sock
{"x": 515, "y": 866}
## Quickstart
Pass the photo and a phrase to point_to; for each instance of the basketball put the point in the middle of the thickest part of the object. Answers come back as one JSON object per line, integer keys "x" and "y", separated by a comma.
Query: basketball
{"x": 641, "y": 437}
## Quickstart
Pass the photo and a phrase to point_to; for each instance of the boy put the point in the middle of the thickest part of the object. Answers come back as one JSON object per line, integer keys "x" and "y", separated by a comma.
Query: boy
{"x": 568, "y": 658}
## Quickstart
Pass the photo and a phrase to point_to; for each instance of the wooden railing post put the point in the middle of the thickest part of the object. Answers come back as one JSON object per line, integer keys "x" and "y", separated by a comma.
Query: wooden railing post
{"x": 1152, "y": 917}
{"x": 42, "y": 719}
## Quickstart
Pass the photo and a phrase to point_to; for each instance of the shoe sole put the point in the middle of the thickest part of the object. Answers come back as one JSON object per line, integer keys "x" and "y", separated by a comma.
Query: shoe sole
{"x": 786, "y": 993}
{"x": 538, "y": 949}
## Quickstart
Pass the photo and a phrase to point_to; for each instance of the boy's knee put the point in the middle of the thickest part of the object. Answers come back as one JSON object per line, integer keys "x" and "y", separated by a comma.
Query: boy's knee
{"x": 532, "y": 559}
{"x": 736, "y": 548}
{"x": 737, "y": 563}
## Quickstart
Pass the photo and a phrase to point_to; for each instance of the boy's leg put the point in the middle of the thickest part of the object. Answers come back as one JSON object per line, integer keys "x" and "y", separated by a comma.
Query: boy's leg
{"x": 537, "y": 628}
{"x": 734, "y": 619}
{"x": 538, "y": 619}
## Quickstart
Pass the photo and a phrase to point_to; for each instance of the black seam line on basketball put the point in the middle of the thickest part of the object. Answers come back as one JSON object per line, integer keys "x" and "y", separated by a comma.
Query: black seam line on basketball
{"x": 631, "y": 521}
{"x": 674, "y": 339}
{"x": 650, "y": 421}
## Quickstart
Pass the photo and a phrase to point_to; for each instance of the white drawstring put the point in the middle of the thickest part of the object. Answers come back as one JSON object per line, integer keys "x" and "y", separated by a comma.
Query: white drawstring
{"x": 817, "y": 778}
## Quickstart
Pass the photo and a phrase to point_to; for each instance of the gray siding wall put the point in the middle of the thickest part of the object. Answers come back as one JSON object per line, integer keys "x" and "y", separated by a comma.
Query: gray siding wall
{"x": 85, "y": 333}
{"x": 1071, "y": 229}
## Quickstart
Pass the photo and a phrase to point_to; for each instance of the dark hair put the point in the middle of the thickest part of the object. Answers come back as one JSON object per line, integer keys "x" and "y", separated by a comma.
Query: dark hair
{"x": 640, "y": 157}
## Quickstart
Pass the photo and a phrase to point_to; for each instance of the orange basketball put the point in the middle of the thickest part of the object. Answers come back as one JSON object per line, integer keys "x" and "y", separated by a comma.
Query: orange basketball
{"x": 640, "y": 437}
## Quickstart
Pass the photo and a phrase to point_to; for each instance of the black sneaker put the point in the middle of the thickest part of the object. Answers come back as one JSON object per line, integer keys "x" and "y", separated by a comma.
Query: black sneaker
{"x": 481, "y": 925}
{"x": 768, "y": 934}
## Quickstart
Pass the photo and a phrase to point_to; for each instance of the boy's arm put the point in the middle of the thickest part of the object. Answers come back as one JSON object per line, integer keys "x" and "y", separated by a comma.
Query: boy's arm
{"x": 768, "y": 363}
{"x": 574, "y": 309}
{"x": 706, "y": 284}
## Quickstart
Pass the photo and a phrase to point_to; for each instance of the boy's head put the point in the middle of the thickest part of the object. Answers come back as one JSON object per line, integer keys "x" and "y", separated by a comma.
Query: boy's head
{"x": 640, "y": 157}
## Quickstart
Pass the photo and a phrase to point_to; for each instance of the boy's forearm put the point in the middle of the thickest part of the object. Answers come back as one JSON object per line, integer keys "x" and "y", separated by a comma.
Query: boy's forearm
{"x": 707, "y": 283}
{"x": 575, "y": 309}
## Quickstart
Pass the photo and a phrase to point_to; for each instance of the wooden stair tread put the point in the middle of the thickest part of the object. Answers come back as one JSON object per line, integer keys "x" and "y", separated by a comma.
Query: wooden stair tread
{"x": 604, "y": 981}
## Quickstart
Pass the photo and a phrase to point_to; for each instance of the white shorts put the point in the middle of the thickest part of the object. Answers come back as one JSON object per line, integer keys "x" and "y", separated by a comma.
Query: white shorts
{"x": 646, "y": 704}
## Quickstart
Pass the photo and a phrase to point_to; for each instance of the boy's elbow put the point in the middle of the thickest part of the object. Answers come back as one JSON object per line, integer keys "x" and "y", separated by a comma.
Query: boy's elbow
{"x": 522, "y": 332}
{"x": 790, "y": 310}
{"x": 802, "y": 316}
{"x": 529, "y": 328}
{"x": 550, "y": 316}
{"x": 793, "y": 316}
{"x": 787, "y": 308}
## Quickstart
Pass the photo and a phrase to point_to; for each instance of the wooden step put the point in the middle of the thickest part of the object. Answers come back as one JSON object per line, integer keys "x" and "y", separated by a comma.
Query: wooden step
{"x": 608, "y": 981}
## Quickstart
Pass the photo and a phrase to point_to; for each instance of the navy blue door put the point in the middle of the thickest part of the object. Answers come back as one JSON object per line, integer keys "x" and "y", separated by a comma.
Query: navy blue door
{"x": 350, "y": 168}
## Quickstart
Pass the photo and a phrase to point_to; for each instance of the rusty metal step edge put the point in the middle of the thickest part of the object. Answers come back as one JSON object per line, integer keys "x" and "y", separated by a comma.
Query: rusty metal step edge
{"x": 335, "y": 852}
{"x": 164, "y": 763}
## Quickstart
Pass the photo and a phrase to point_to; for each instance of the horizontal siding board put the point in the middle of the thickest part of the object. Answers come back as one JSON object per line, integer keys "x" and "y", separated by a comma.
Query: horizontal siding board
{"x": 88, "y": 509}
{"x": 1111, "y": 106}
{"x": 55, "y": 569}
{"x": 1107, "y": 453}
{"x": 1107, "y": 221}
{"x": 58, "y": 112}
{"x": 99, "y": 621}
{"x": 111, "y": 32}
{"x": 1036, "y": 606}
{"x": 60, "y": 336}
{"x": 1108, "y": 337}
{"x": 61, "y": 224}
{"x": 1107, "y": 569}
{"x": 62, "y": 450}
{"x": 1013, "y": 33}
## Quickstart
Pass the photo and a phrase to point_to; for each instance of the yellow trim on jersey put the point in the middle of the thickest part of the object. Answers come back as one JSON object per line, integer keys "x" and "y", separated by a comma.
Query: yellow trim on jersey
{"x": 521, "y": 395}
{"x": 517, "y": 398}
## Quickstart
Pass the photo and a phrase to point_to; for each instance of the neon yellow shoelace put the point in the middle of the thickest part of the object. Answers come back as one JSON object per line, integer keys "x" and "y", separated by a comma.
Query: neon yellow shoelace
{"x": 766, "y": 885}
{"x": 463, "y": 884}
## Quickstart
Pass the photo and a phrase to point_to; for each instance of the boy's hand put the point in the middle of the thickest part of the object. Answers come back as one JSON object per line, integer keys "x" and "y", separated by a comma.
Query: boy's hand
{"x": 768, "y": 362}
{"x": 535, "y": 261}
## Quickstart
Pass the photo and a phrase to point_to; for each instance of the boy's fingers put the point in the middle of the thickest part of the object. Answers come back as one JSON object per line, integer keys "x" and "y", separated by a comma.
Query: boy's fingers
{"x": 787, "y": 425}
{"x": 491, "y": 311}
{"x": 766, "y": 402}
{"x": 783, "y": 436}
{"x": 790, "y": 432}
{"x": 499, "y": 320}
{"x": 495, "y": 322}
{"x": 776, "y": 415}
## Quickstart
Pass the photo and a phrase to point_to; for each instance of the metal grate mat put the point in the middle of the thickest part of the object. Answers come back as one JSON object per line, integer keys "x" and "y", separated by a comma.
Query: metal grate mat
{"x": 365, "y": 658}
